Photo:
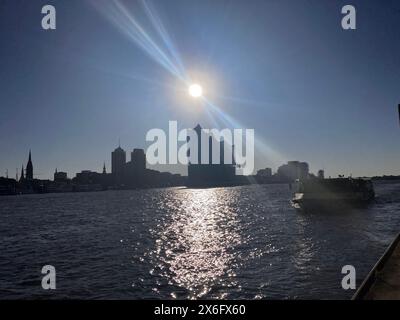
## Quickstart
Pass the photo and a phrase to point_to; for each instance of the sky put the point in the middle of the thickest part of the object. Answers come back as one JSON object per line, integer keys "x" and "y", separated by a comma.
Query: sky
{"x": 311, "y": 91}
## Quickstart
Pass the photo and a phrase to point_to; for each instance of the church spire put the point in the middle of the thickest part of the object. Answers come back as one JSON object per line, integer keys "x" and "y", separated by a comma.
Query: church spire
{"x": 29, "y": 168}
{"x": 104, "y": 168}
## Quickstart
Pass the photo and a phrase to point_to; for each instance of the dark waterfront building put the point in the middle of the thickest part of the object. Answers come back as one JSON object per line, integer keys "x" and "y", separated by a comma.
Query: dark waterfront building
{"x": 88, "y": 177}
{"x": 29, "y": 169}
{"x": 134, "y": 174}
{"x": 8, "y": 186}
{"x": 135, "y": 170}
{"x": 60, "y": 176}
{"x": 138, "y": 157}
{"x": 294, "y": 170}
{"x": 210, "y": 174}
{"x": 118, "y": 161}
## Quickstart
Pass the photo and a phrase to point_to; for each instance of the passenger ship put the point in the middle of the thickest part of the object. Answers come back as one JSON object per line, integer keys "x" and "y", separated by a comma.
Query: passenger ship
{"x": 333, "y": 192}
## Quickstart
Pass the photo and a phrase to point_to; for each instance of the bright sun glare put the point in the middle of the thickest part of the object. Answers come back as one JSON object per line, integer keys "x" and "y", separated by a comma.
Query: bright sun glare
{"x": 195, "y": 90}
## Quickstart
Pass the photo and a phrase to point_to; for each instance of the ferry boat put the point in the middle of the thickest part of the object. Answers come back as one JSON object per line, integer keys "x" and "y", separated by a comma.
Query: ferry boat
{"x": 333, "y": 192}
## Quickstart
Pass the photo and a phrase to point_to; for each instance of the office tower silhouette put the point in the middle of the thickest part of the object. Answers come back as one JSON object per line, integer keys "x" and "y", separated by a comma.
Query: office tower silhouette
{"x": 118, "y": 161}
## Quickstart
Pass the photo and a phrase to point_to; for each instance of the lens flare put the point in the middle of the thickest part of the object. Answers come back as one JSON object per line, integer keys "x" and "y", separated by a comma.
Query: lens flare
{"x": 195, "y": 90}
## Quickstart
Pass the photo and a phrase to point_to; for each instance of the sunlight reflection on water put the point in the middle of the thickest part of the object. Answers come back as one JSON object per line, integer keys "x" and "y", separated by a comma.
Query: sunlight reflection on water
{"x": 199, "y": 241}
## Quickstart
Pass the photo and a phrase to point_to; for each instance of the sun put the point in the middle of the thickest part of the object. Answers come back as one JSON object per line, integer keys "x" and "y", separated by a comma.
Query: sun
{"x": 195, "y": 90}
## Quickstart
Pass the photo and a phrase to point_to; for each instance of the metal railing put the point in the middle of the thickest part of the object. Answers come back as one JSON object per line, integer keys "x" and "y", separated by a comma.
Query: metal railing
{"x": 373, "y": 274}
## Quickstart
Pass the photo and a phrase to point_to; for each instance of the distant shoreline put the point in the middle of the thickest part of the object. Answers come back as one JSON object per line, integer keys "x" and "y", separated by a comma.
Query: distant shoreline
{"x": 385, "y": 179}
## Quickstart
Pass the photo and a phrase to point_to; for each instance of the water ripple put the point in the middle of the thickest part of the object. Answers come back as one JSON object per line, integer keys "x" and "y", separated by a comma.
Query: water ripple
{"x": 223, "y": 243}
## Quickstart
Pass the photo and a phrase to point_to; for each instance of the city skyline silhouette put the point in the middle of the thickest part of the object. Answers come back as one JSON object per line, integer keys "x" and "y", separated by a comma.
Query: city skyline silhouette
{"x": 310, "y": 90}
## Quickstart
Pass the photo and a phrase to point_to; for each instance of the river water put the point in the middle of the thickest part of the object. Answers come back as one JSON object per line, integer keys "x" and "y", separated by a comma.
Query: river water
{"x": 177, "y": 243}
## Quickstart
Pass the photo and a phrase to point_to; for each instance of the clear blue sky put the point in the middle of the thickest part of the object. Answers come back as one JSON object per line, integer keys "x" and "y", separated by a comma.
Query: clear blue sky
{"x": 312, "y": 91}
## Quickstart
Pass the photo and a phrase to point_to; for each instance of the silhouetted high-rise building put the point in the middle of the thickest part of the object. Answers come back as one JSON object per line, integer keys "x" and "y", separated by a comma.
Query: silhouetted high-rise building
{"x": 304, "y": 170}
{"x": 210, "y": 174}
{"x": 135, "y": 170}
{"x": 138, "y": 158}
{"x": 118, "y": 160}
{"x": 294, "y": 170}
{"x": 29, "y": 168}
{"x": 197, "y": 129}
